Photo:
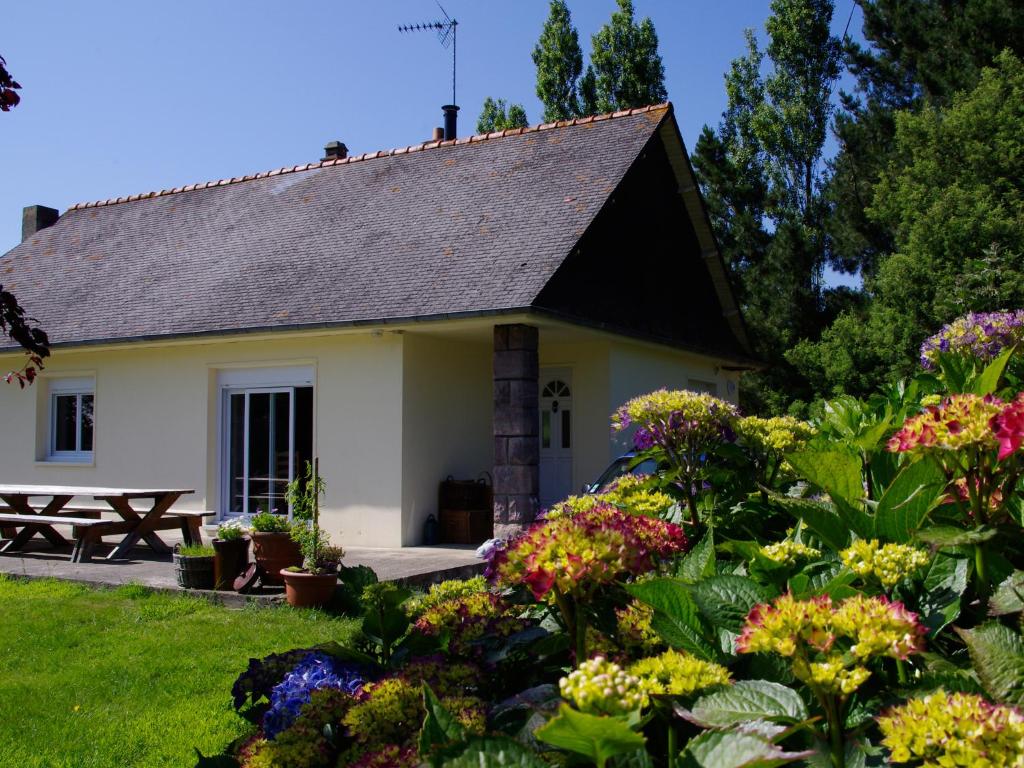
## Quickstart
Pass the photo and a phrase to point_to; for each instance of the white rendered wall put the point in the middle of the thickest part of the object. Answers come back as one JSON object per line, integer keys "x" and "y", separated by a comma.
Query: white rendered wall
{"x": 156, "y": 423}
{"x": 446, "y": 421}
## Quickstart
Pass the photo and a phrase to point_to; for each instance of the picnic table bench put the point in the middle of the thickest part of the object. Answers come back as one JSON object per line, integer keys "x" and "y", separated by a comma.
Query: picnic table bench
{"x": 88, "y": 526}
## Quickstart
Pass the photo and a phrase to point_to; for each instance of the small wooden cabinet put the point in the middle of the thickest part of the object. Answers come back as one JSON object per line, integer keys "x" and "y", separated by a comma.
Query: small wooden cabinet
{"x": 465, "y": 511}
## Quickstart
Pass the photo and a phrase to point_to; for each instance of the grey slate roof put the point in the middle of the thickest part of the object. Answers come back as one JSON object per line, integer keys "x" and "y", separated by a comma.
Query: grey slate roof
{"x": 469, "y": 227}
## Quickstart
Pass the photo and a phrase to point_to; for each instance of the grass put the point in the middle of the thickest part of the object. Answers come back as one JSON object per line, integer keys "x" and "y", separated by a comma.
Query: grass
{"x": 129, "y": 677}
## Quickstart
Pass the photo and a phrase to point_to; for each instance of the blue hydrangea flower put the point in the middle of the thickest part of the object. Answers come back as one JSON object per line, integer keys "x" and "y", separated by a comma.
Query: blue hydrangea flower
{"x": 316, "y": 670}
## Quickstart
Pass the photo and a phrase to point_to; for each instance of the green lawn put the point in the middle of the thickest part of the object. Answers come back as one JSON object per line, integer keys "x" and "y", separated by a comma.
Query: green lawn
{"x": 127, "y": 677}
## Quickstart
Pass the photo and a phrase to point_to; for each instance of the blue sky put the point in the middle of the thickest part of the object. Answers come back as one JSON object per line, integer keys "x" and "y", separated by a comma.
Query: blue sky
{"x": 120, "y": 98}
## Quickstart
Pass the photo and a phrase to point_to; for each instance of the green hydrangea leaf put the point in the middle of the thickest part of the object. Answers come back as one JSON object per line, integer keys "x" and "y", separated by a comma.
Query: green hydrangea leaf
{"x": 494, "y": 752}
{"x": 951, "y": 536}
{"x": 439, "y": 726}
{"x": 744, "y": 701}
{"x": 820, "y": 517}
{"x": 944, "y": 584}
{"x": 677, "y": 618}
{"x": 726, "y": 600}
{"x": 988, "y": 380}
{"x": 838, "y": 473}
{"x": 597, "y": 738}
{"x": 1009, "y": 596}
{"x": 718, "y": 749}
{"x": 997, "y": 653}
{"x": 916, "y": 491}
{"x": 699, "y": 562}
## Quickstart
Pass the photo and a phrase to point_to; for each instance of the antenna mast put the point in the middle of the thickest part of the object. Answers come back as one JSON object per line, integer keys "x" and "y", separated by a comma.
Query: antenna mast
{"x": 445, "y": 30}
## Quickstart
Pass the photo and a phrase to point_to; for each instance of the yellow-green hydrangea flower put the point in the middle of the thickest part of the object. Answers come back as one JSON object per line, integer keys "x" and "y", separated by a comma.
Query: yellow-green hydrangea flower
{"x": 631, "y": 493}
{"x": 634, "y": 626}
{"x": 829, "y": 643}
{"x": 776, "y": 435}
{"x": 832, "y": 675}
{"x": 602, "y": 687}
{"x": 887, "y": 563}
{"x": 678, "y": 674}
{"x": 787, "y": 552}
{"x": 445, "y": 591}
{"x": 959, "y": 729}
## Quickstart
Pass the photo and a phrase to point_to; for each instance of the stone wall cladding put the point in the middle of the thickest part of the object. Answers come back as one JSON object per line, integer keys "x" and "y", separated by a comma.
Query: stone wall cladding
{"x": 516, "y": 418}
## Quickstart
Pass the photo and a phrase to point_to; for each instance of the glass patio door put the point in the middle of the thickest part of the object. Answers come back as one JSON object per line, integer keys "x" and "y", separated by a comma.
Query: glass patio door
{"x": 269, "y": 437}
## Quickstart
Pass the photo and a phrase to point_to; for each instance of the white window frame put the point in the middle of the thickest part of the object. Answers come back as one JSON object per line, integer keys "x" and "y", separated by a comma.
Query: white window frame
{"x": 78, "y": 388}
{"x": 255, "y": 381}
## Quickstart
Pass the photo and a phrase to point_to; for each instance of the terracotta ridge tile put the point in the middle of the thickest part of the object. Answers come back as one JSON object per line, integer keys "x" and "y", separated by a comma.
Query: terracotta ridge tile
{"x": 432, "y": 144}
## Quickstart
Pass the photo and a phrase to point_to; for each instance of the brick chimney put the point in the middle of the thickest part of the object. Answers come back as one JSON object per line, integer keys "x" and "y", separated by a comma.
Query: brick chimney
{"x": 36, "y": 217}
{"x": 334, "y": 150}
{"x": 438, "y": 134}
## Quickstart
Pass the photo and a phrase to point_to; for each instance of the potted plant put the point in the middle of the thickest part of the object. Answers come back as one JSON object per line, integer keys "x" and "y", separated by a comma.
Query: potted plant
{"x": 193, "y": 566}
{"x": 232, "y": 553}
{"x": 313, "y": 584}
{"x": 273, "y": 546}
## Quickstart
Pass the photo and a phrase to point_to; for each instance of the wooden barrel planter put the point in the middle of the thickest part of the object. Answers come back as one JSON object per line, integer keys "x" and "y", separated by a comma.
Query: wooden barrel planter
{"x": 275, "y": 552}
{"x": 231, "y": 558}
{"x": 194, "y": 572}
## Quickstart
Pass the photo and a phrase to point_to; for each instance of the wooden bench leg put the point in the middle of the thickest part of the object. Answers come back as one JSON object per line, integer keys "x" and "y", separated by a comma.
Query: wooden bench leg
{"x": 84, "y": 545}
{"x": 190, "y": 531}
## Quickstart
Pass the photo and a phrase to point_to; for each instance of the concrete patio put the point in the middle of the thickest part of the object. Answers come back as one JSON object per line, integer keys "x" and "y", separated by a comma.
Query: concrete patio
{"x": 411, "y": 566}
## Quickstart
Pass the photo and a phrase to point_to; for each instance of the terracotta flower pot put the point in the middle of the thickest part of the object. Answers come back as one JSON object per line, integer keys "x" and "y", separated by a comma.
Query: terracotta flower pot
{"x": 231, "y": 559}
{"x": 273, "y": 552}
{"x": 308, "y": 590}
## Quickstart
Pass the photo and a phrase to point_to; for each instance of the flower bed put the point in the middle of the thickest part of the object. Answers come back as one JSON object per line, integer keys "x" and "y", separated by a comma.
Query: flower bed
{"x": 838, "y": 593}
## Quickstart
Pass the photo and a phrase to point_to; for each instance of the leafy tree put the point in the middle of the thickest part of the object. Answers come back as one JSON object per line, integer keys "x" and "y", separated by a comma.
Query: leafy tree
{"x": 761, "y": 172}
{"x": 14, "y": 323}
{"x": 8, "y": 87}
{"x": 953, "y": 197}
{"x": 559, "y": 62}
{"x": 918, "y": 53}
{"x": 625, "y": 67}
{"x": 498, "y": 116}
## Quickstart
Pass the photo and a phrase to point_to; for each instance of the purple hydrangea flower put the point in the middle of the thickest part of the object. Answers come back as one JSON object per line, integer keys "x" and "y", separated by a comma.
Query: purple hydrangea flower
{"x": 982, "y": 335}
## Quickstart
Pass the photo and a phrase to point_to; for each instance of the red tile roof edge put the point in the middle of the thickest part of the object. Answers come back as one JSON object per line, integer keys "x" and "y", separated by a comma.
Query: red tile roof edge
{"x": 383, "y": 153}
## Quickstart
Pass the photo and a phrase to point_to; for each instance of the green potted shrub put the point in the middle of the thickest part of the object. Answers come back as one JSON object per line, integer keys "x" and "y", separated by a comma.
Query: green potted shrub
{"x": 193, "y": 566}
{"x": 232, "y": 553}
{"x": 313, "y": 583}
{"x": 273, "y": 546}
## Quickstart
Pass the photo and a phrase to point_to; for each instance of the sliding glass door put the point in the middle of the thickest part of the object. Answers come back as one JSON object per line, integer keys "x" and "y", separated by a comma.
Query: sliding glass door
{"x": 268, "y": 436}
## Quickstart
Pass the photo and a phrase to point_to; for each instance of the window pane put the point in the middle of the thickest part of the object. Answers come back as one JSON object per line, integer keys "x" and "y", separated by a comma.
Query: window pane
{"x": 280, "y": 419}
{"x": 303, "y": 428}
{"x": 259, "y": 453}
{"x": 545, "y": 429}
{"x": 86, "y": 423}
{"x": 566, "y": 429}
{"x": 236, "y": 447}
{"x": 65, "y": 422}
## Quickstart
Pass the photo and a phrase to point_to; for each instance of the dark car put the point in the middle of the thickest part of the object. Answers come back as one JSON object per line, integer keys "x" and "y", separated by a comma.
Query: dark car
{"x": 621, "y": 466}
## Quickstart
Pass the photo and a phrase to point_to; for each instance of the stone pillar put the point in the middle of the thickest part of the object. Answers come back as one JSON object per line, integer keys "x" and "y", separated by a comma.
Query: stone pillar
{"x": 516, "y": 418}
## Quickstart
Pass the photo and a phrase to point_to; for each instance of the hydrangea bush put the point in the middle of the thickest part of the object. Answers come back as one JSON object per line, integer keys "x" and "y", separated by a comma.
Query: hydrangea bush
{"x": 846, "y": 592}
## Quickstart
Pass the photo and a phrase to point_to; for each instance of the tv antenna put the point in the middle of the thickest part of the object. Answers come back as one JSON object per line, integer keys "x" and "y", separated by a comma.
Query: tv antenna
{"x": 445, "y": 34}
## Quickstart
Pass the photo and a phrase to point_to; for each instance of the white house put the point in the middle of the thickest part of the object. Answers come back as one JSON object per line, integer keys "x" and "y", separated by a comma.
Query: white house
{"x": 446, "y": 309}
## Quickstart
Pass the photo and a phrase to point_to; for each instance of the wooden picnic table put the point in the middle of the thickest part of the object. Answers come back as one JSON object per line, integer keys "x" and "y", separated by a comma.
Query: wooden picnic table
{"x": 135, "y": 524}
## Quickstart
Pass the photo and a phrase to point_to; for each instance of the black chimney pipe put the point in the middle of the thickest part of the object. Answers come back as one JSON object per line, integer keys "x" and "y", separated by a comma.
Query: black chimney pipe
{"x": 451, "y": 118}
